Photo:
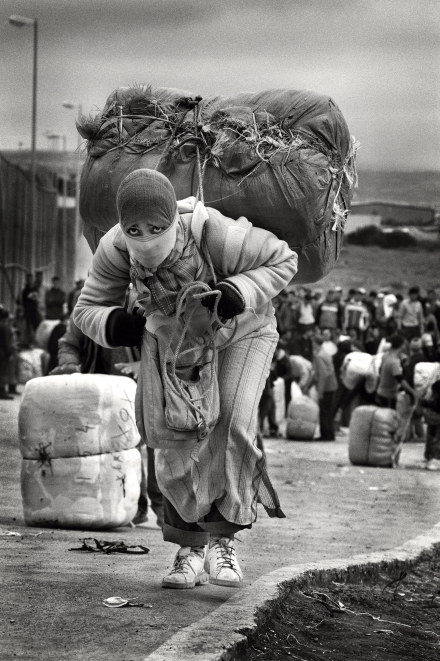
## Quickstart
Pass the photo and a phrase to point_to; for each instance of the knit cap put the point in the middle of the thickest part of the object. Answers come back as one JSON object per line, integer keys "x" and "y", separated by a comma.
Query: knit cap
{"x": 146, "y": 195}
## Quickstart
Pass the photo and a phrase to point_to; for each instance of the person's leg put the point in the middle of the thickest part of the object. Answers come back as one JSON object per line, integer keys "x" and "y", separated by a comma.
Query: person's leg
{"x": 287, "y": 392}
{"x": 153, "y": 491}
{"x": 327, "y": 408}
{"x": 3, "y": 378}
{"x": 325, "y": 417}
{"x": 142, "y": 512}
{"x": 188, "y": 568}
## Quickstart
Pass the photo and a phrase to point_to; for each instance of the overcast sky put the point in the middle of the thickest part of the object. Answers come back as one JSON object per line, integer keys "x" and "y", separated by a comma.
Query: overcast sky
{"x": 378, "y": 59}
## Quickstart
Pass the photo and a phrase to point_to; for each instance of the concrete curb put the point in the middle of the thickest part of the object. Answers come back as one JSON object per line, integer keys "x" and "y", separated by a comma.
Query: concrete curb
{"x": 217, "y": 636}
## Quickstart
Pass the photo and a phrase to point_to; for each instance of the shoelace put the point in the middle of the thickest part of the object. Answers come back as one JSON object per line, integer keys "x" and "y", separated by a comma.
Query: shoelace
{"x": 227, "y": 555}
{"x": 179, "y": 564}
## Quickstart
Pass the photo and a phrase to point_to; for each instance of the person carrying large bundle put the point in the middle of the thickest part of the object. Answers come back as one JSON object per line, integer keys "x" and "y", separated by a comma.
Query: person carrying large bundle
{"x": 208, "y": 333}
{"x": 283, "y": 158}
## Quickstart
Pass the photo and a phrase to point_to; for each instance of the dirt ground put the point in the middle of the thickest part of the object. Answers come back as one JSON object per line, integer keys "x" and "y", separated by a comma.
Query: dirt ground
{"x": 52, "y": 597}
{"x": 385, "y": 619}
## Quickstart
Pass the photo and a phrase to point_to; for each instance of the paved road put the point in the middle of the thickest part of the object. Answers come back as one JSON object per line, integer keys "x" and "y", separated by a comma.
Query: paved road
{"x": 53, "y": 607}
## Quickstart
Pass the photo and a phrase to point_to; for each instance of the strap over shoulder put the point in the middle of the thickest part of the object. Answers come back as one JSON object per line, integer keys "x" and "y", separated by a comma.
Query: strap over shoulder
{"x": 199, "y": 216}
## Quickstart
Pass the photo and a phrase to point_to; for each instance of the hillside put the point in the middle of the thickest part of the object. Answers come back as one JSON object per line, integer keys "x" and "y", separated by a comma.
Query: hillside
{"x": 375, "y": 268}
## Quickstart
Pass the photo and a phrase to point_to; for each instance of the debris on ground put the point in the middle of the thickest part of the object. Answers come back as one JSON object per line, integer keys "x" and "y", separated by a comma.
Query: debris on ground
{"x": 120, "y": 602}
{"x": 102, "y": 546}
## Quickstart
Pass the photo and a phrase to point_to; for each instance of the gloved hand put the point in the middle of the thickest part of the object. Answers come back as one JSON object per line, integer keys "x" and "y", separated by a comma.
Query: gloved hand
{"x": 231, "y": 302}
{"x": 124, "y": 329}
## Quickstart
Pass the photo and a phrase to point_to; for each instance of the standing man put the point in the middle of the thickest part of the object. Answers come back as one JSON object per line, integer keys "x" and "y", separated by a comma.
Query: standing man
{"x": 356, "y": 314}
{"x": 32, "y": 315}
{"x": 74, "y": 295}
{"x": 55, "y": 298}
{"x": 391, "y": 377}
{"x": 40, "y": 294}
{"x": 6, "y": 351}
{"x": 326, "y": 383}
{"x": 329, "y": 314}
{"x": 410, "y": 319}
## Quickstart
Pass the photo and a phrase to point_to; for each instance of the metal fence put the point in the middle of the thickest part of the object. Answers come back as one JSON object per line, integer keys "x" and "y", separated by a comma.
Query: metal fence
{"x": 26, "y": 246}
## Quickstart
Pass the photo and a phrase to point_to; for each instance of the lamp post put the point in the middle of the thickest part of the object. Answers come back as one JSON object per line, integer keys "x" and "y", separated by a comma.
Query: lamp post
{"x": 70, "y": 106}
{"x": 19, "y": 22}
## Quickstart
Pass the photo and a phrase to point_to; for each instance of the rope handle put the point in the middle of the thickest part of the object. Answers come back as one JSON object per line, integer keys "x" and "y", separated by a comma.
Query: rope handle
{"x": 170, "y": 357}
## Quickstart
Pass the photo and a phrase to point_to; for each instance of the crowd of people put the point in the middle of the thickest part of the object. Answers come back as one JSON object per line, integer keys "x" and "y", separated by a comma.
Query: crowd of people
{"x": 321, "y": 327}
{"x": 324, "y": 327}
{"x": 34, "y": 304}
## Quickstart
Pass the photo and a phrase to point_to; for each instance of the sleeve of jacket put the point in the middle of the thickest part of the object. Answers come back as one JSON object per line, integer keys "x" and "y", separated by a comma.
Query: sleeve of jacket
{"x": 254, "y": 260}
{"x": 71, "y": 345}
{"x": 104, "y": 289}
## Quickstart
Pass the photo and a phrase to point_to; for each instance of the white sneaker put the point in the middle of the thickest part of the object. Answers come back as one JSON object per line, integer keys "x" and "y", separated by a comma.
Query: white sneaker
{"x": 187, "y": 572}
{"x": 221, "y": 563}
{"x": 433, "y": 465}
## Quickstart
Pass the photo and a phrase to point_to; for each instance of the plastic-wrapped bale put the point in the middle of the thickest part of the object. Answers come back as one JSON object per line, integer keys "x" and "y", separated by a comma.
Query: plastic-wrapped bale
{"x": 77, "y": 415}
{"x": 284, "y": 159}
{"x": 98, "y": 491}
{"x": 43, "y": 332}
{"x": 425, "y": 374}
{"x": 32, "y": 363}
{"x": 372, "y": 436}
{"x": 302, "y": 419}
{"x": 373, "y": 373}
{"x": 354, "y": 368}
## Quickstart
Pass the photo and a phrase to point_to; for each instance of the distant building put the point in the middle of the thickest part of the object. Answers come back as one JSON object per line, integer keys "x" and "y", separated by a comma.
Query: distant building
{"x": 394, "y": 213}
{"x": 49, "y": 244}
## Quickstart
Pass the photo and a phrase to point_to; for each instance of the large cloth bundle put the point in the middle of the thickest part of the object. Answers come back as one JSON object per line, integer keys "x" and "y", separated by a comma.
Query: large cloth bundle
{"x": 425, "y": 374}
{"x": 354, "y": 368}
{"x": 373, "y": 373}
{"x": 282, "y": 158}
{"x": 43, "y": 332}
{"x": 77, "y": 415}
{"x": 32, "y": 363}
{"x": 81, "y": 467}
{"x": 372, "y": 436}
{"x": 100, "y": 491}
{"x": 302, "y": 419}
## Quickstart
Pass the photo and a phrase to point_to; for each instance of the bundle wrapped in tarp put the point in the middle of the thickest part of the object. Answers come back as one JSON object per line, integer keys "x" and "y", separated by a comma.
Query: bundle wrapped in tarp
{"x": 373, "y": 439}
{"x": 282, "y": 158}
{"x": 77, "y": 415}
{"x": 88, "y": 492}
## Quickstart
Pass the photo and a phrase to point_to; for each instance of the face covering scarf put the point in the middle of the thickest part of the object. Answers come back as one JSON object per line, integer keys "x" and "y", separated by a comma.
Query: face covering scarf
{"x": 177, "y": 270}
{"x": 152, "y": 250}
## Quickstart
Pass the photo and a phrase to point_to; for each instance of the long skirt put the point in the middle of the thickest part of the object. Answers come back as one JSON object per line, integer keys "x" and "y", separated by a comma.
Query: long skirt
{"x": 226, "y": 469}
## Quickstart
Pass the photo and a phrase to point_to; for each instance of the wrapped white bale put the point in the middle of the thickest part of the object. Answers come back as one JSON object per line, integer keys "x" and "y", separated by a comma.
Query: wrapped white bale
{"x": 279, "y": 387}
{"x": 77, "y": 415}
{"x": 101, "y": 491}
{"x": 425, "y": 374}
{"x": 373, "y": 373}
{"x": 372, "y": 437}
{"x": 302, "y": 419}
{"x": 31, "y": 364}
{"x": 354, "y": 368}
{"x": 43, "y": 332}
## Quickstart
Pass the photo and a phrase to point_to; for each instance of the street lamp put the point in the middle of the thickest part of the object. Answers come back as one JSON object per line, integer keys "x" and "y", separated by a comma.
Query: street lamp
{"x": 19, "y": 22}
